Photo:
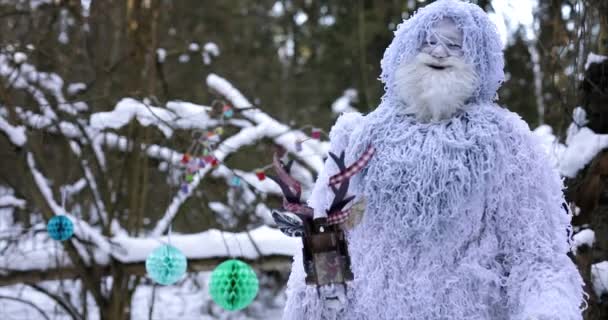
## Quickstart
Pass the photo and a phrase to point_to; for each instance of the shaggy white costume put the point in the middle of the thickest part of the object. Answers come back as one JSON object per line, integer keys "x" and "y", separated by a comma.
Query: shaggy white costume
{"x": 464, "y": 216}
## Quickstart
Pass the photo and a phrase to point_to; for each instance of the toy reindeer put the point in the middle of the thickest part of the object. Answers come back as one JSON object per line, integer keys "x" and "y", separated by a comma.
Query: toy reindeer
{"x": 325, "y": 250}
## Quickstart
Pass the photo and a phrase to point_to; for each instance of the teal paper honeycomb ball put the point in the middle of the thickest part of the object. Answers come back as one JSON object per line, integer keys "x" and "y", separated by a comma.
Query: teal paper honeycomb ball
{"x": 233, "y": 285}
{"x": 166, "y": 264}
{"x": 60, "y": 228}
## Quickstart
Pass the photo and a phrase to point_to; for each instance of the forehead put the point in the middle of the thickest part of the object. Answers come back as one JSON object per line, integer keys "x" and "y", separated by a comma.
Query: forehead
{"x": 447, "y": 28}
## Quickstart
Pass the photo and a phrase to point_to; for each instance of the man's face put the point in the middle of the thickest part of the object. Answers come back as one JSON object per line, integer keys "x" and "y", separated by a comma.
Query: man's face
{"x": 438, "y": 81}
{"x": 443, "y": 41}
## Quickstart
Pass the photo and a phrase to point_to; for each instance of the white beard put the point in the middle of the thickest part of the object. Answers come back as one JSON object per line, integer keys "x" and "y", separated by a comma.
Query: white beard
{"x": 432, "y": 94}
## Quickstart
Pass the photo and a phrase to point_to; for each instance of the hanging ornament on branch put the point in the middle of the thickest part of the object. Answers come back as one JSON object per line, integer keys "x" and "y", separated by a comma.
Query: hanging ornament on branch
{"x": 166, "y": 264}
{"x": 60, "y": 227}
{"x": 233, "y": 285}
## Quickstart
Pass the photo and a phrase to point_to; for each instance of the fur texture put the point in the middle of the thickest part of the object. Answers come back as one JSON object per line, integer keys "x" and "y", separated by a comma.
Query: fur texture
{"x": 431, "y": 94}
{"x": 463, "y": 216}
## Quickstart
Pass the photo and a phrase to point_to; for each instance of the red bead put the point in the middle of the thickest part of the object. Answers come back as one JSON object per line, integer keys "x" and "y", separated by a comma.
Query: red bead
{"x": 185, "y": 158}
{"x": 214, "y": 162}
{"x": 260, "y": 174}
{"x": 315, "y": 133}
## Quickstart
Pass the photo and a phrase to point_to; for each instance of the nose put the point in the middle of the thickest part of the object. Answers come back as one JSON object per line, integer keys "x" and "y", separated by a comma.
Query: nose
{"x": 439, "y": 52}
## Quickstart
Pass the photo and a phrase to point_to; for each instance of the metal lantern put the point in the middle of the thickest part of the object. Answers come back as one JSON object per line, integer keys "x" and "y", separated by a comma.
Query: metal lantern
{"x": 325, "y": 249}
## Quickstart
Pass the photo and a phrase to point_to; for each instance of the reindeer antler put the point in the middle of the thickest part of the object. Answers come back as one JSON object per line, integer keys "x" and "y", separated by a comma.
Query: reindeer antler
{"x": 290, "y": 187}
{"x": 347, "y": 173}
{"x": 336, "y": 213}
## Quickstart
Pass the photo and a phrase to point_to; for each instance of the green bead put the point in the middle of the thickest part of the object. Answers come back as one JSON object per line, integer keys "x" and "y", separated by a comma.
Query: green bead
{"x": 166, "y": 264}
{"x": 233, "y": 285}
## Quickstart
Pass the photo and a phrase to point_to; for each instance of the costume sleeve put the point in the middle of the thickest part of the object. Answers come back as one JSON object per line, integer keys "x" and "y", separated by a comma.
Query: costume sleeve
{"x": 321, "y": 196}
{"x": 303, "y": 302}
{"x": 533, "y": 230}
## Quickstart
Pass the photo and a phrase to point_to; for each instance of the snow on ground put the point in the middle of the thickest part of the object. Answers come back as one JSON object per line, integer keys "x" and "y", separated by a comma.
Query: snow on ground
{"x": 187, "y": 300}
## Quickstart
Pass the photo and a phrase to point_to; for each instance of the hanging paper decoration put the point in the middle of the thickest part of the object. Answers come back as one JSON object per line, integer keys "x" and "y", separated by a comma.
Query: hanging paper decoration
{"x": 60, "y": 228}
{"x": 185, "y": 158}
{"x": 192, "y": 166}
{"x": 235, "y": 181}
{"x": 315, "y": 133}
{"x": 260, "y": 174}
{"x": 166, "y": 264}
{"x": 228, "y": 112}
{"x": 184, "y": 188}
{"x": 214, "y": 162}
{"x": 233, "y": 285}
{"x": 189, "y": 177}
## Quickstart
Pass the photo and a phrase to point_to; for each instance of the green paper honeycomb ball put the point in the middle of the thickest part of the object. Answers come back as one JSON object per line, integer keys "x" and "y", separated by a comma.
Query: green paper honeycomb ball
{"x": 166, "y": 264}
{"x": 60, "y": 228}
{"x": 233, "y": 285}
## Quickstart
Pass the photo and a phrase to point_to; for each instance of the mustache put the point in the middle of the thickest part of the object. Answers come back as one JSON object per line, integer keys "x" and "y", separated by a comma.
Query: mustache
{"x": 440, "y": 64}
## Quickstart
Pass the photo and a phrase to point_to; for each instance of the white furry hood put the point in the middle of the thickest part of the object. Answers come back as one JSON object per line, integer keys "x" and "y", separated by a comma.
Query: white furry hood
{"x": 481, "y": 45}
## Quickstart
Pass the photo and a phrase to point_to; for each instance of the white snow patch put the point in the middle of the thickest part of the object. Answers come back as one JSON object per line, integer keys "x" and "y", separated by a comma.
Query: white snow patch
{"x": 126, "y": 110}
{"x": 220, "y": 208}
{"x": 15, "y": 133}
{"x": 210, "y": 50}
{"x": 277, "y": 10}
{"x": 74, "y": 88}
{"x": 194, "y": 47}
{"x": 599, "y": 278}
{"x": 183, "y": 58}
{"x": 584, "y": 237}
{"x": 345, "y": 102}
{"x": 594, "y": 58}
{"x": 161, "y": 55}
{"x": 19, "y": 57}
{"x": 300, "y": 17}
{"x": 8, "y": 200}
{"x": 583, "y": 146}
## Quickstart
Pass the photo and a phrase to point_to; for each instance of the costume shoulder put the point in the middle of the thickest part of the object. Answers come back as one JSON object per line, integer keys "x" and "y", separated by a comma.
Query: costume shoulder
{"x": 506, "y": 127}
{"x": 341, "y": 131}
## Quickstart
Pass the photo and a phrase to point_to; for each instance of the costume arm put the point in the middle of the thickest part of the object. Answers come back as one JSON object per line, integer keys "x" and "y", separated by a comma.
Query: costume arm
{"x": 303, "y": 302}
{"x": 322, "y": 196}
{"x": 533, "y": 230}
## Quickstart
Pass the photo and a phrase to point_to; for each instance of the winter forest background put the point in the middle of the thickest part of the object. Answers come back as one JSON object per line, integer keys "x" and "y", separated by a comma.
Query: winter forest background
{"x": 100, "y": 99}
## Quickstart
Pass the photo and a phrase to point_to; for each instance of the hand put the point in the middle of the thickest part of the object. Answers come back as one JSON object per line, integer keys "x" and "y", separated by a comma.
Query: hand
{"x": 333, "y": 296}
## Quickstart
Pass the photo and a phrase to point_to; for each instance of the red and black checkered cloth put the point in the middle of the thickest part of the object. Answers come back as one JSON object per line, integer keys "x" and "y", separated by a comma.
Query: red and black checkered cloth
{"x": 353, "y": 168}
{"x": 341, "y": 216}
{"x": 338, "y": 217}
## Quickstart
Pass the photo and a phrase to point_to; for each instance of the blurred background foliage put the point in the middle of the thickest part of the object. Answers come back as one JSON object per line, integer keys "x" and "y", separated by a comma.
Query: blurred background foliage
{"x": 291, "y": 58}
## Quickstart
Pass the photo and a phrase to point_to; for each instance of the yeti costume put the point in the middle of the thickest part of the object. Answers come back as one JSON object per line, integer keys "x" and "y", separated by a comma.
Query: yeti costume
{"x": 464, "y": 217}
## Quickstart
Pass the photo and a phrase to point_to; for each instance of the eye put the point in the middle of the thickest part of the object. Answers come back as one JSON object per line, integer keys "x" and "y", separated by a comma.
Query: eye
{"x": 454, "y": 46}
{"x": 431, "y": 42}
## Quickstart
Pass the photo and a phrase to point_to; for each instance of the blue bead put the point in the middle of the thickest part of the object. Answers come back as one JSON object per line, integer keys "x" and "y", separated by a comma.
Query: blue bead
{"x": 166, "y": 264}
{"x": 60, "y": 228}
